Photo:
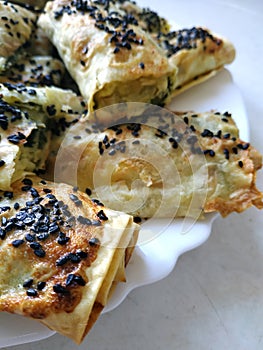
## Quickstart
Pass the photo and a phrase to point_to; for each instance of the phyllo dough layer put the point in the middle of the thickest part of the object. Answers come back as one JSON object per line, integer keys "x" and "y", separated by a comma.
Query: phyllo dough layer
{"x": 163, "y": 164}
{"x": 16, "y": 27}
{"x": 60, "y": 253}
{"x": 107, "y": 52}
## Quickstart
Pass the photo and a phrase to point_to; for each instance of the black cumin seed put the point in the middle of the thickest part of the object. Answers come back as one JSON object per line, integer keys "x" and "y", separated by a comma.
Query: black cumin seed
{"x": 59, "y": 289}
{"x": 40, "y": 253}
{"x": 101, "y": 215}
{"x": 3, "y": 209}
{"x": 51, "y": 110}
{"x": 2, "y": 233}
{"x": 94, "y": 242}
{"x": 207, "y": 133}
{"x": 137, "y": 219}
{"x": 28, "y": 283}
{"x": 34, "y": 193}
{"x": 35, "y": 245}
{"x": 70, "y": 279}
{"x": 8, "y": 194}
{"x": 2, "y": 163}
{"x": 79, "y": 280}
{"x": 41, "y": 285}
{"x": 63, "y": 260}
{"x": 83, "y": 220}
{"x": 240, "y": 163}
{"x": 63, "y": 240}
{"x": 17, "y": 243}
{"x": 235, "y": 150}
{"x": 53, "y": 229}
{"x": 142, "y": 66}
{"x": 29, "y": 237}
{"x": 82, "y": 63}
{"x": 31, "y": 292}
{"x": 210, "y": 152}
{"x": 243, "y": 146}
{"x": 25, "y": 188}
{"x": 88, "y": 191}
{"x": 42, "y": 236}
{"x": 9, "y": 227}
{"x": 74, "y": 258}
{"x": 116, "y": 50}
{"x": 226, "y": 136}
{"x": 82, "y": 254}
{"x": 226, "y": 153}
{"x": 186, "y": 120}
{"x": 16, "y": 206}
{"x": 47, "y": 190}
{"x": 27, "y": 182}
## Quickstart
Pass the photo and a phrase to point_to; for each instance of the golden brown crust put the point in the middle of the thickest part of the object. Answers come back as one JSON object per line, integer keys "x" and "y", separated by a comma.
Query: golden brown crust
{"x": 16, "y": 26}
{"x": 197, "y": 52}
{"x": 185, "y": 165}
{"x": 35, "y": 71}
{"x": 110, "y": 64}
{"x": 59, "y": 252}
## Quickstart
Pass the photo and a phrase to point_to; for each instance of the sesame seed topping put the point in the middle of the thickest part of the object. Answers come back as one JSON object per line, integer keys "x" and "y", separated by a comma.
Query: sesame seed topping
{"x": 28, "y": 283}
{"x": 31, "y": 292}
{"x": 41, "y": 285}
{"x": 59, "y": 289}
{"x": 101, "y": 215}
{"x": 94, "y": 241}
{"x": 17, "y": 243}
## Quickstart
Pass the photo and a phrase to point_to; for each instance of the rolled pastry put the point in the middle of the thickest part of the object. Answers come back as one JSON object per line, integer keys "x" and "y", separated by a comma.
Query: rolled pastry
{"x": 16, "y": 27}
{"x": 197, "y": 53}
{"x": 107, "y": 52}
{"x": 61, "y": 253}
{"x": 25, "y": 119}
{"x": 35, "y": 71}
{"x": 166, "y": 165}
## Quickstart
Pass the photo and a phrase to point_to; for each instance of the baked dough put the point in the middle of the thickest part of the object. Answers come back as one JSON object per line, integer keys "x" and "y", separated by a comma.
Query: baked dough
{"x": 25, "y": 125}
{"x": 107, "y": 52}
{"x": 198, "y": 54}
{"x": 24, "y": 143}
{"x": 16, "y": 26}
{"x": 166, "y": 165}
{"x": 35, "y": 71}
{"x": 60, "y": 253}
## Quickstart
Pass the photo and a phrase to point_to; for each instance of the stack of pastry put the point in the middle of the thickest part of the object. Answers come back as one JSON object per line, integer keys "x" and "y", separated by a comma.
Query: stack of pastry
{"x": 73, "y": 175}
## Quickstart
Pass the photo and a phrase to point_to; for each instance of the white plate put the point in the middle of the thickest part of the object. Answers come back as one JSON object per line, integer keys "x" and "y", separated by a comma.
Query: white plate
{"x": 153, "y": 259}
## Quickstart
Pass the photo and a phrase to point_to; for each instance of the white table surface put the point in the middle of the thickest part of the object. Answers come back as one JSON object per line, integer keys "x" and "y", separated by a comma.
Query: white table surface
{"x": 213, "y": 299}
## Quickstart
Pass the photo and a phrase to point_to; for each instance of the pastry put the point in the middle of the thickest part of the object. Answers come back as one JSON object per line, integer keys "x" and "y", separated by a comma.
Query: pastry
{"x": 60, "y": 254}
{"x": 35, "y": 71}
{"x": 25, "y": 122}
{"x": 16, "y": 27}
{"x": 107, "y": 52}
{"x": 167, "y": 165}
{"x": 197, "y": 53}
{"x": 24, "y": 143}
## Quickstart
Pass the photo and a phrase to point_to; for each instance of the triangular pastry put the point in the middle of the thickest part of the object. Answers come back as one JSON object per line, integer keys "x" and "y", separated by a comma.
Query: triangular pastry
{"x": 60, "y": 253}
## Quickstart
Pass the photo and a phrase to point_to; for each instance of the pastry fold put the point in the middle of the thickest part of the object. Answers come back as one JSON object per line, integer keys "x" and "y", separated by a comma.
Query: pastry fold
{"x": 35, "y": 71}
{"x": 16, "y": 26}
{"x": 198, "y": 54}
{"x": 107, "y": 52}
{"x": 163, "y": 164}
{"x": 26, "y": 124}
{"x": 61, "y": 253}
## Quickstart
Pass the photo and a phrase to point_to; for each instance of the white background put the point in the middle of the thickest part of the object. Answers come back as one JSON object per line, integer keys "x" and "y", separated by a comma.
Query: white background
{"x": 213, "y": 299}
